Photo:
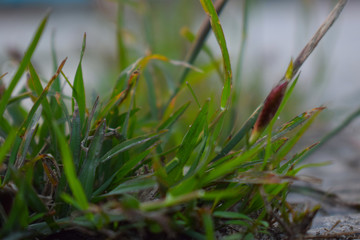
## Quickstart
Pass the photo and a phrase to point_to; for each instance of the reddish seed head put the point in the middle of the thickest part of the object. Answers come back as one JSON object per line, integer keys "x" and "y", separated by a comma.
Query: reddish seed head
{"x": 271, "y": 105}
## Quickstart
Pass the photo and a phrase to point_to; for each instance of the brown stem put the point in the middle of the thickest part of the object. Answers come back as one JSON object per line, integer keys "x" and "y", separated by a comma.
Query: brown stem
{"x": 310, "y": 46}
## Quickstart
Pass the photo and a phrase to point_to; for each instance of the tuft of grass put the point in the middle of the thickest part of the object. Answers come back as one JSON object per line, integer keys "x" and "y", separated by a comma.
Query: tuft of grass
{"x": 118, "y": 169}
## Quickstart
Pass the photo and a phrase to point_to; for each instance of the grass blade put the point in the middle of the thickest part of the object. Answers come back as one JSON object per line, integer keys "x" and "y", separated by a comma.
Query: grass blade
{"x": 151, "y": 93}
{"x": 208, "y": 225}
{"x": 40, "y": 99}
{"x": 69, "y": 170}
{"x": 126, "y": 145}
{"x": 88, "y": 168}
{"x": 289, "y": 144}
{"x": 174, "y": 117}
{"x": 195, "y": 48}
{"x": 6, "y": 146}
{"x": 219, "y": 34}
{"x": 75, "y": 136}
{"x": 133, "y": 186}
{"x": 189, "y": 142}
{"x": 333, "y": 133}
{"x": 24, "y": 62}
{"x": 240, "y": 134}
{"x": 25, "y": 125}
{"x": 122, "y": 172}
{"x": 78, "y": 86}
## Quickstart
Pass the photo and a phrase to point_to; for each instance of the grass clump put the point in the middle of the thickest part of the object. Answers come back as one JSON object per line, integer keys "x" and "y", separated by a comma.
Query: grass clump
{"x": 114, "y": 170}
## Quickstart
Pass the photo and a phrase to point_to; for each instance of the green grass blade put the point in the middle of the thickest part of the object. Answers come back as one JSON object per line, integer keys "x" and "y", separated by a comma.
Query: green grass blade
{"x": 126, "y": 145}
{"x": 231, "y": 165}
{"x": 56, "y": 86}
{"x": 27, "y": 138}
{"x": 231, "y": 215}
{"x": 19, "y": 214}
{"x": 289, "y": 144}
{"x": 241, "y": 53}
{"x": 133, "y": 186}
{"x": 88, "y": 168}
{"x": 78, "y": 86}
{"x": 40, "y": 99}
{"x": 171, "y": 201}
{"x": 294, "y": 160}
{"x": 202, "y": 34}
{"x": 333, "y": 133}
{"x": 151, "y": 93}
{"x": 191, "y": 38}
{"x": 24, "y": 62}
{"x": 240, "y": 134}
{"x": 277, "y": 114}
{"x": 47, "y": 109}
{"x": 193, "y": 94}
{"x": 121, "y": 48}
{"x": 174, "y": 117}
{"x": 219, "y": 34}
{"x": 7, "y": 145}
{"x": 208, "y": 225}
{"x": 69, "y": 170}
{"x": 125, "y": 126}
{"x": 189, "y": 142}
{"x": 13, "y": 155}
{"x": 25, "y": 125}
{"x": 119, "y": 175}
{"x": 75, "y": 136}
{"x": 32, "y": 198}
{"x": 34, "y": 78}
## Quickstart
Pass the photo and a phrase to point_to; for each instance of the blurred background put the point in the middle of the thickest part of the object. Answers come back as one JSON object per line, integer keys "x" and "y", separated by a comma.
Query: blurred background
{"x": 277, "y": 31}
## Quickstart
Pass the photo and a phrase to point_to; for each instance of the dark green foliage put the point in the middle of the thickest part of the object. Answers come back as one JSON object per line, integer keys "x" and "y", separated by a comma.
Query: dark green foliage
{"x": 127, "y": 166}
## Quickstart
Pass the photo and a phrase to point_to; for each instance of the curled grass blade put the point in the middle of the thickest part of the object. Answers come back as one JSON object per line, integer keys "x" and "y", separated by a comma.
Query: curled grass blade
{"x": 24, "y": 62}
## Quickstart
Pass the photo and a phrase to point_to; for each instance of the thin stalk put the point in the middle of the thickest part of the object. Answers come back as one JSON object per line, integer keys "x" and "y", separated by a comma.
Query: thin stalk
{"x": 310, "y": 46}
{"x": 333, "y": 133}
{"x": 196, "y": 47}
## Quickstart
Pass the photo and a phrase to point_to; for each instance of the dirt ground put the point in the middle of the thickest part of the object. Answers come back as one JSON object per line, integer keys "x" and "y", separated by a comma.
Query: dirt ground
{"x": 336, "y": 219}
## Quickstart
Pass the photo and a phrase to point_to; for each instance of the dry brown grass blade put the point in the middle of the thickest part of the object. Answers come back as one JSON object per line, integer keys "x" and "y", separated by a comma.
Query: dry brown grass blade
{"x": 310, "y": 46}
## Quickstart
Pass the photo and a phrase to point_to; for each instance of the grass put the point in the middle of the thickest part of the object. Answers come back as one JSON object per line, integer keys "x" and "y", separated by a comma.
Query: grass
{"x": 118, "y": 169}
